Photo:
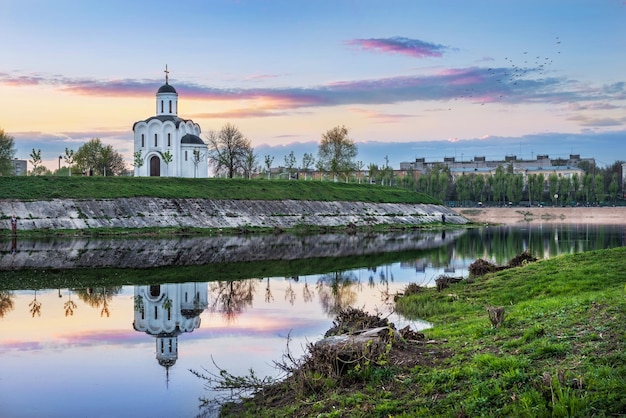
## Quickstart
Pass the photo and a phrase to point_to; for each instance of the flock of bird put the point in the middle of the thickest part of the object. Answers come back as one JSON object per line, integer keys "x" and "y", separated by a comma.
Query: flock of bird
{"x": 509, "y": 76}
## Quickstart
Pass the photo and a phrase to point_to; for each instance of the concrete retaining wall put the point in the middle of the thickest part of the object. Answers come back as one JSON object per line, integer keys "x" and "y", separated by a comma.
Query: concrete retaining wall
{"x": 144, "y": 212}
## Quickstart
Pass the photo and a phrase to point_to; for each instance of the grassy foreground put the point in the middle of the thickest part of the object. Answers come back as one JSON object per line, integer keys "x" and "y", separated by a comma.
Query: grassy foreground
{"x": 560, "y": 351}
{"x": 53, "y": 187}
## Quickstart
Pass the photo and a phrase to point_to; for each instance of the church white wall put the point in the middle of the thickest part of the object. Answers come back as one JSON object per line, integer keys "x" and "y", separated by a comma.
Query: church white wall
{"x": 179, "y": 166}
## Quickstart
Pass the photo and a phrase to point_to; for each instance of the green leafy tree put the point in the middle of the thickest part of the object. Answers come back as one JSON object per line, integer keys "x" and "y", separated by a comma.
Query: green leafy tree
{"x": 588, "y": 186}
{"x": 228, "y": 149}
{"x": 575, "y": 187}
{"x": 499, "y": 184}
{"x": 598, "y": 188}
{"x": 337, "y": 151}
{"x": 613, "y": 188}
{"x": 137, "y": 159}
{"x": 479, "y": 188}
{"x": 167, "y": 159}
{"x": 95, "y": 157}
{"x": 7, "y": 153}
{"x": 553, "y": 187}
{"x": 463, "y": 188}
{"x": 515, "y": 187}
{"x": 35, "y": 160}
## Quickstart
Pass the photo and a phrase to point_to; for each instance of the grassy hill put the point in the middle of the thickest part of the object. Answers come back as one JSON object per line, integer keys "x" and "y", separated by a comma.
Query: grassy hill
{"x": 52, "y": 187}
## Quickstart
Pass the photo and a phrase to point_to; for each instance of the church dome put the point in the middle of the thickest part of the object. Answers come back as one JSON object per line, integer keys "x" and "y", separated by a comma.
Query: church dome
{"x": 191, "y": 139}
{"x": 166, "y": 88}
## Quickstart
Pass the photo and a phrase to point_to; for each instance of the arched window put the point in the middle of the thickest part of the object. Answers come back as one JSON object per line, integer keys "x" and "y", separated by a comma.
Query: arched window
{"x": 155, "y": 139}
{"x": 170, "y": 106}
{"x": 161, "y": 106}
{"x": 169, "y": 140}
{"x": 143, "y": 140}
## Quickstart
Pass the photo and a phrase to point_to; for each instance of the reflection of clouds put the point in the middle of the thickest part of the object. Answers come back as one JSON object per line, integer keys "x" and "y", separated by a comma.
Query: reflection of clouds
{"x": 84, "y": 339}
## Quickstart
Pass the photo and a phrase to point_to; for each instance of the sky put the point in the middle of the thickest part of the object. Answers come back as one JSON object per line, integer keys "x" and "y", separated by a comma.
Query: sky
{"x": 408, "y": 78}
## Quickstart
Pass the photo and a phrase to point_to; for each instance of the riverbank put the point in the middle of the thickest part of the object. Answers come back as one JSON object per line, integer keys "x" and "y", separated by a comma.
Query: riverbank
{"x": 536, "y": 215}
{"x": 559, "y": 351}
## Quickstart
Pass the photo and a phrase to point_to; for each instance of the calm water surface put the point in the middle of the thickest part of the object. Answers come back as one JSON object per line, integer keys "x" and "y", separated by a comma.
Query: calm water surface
{"x": 127, "y": 351}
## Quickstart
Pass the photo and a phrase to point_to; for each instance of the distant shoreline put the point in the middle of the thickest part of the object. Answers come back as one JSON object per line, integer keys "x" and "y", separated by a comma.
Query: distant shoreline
{"x": 535, "y": 215}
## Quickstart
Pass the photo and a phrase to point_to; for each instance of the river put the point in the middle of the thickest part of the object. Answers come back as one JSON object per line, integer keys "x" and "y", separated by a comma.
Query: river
{"x": 127, "y": 350}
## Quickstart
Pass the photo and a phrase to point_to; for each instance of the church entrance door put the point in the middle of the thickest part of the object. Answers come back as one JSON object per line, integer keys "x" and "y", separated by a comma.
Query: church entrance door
{"x": 155, "y": 167}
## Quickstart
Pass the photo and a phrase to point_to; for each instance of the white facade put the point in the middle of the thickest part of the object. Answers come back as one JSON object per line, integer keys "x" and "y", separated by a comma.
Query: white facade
{"x": 167, "y": 134}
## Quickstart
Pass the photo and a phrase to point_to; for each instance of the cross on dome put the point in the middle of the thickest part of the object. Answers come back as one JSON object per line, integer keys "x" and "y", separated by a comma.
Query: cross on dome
{"x": 167, "y": 73}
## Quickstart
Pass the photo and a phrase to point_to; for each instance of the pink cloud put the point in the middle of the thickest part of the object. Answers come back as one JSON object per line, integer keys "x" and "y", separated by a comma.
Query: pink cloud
{"x": 399, "y": 45}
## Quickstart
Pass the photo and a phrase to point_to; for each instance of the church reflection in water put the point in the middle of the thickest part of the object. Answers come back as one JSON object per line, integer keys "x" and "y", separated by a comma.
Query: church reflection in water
{"x": 165, "y": 311}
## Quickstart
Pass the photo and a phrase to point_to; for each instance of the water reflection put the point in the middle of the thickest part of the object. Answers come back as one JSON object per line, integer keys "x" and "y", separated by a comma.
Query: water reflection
{"x": 165, "y": 312}
{"x": 136, "y": 343}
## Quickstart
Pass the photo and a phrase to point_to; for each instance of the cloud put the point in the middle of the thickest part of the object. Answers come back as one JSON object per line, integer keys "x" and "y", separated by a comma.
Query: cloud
{"x": 472, "y": 84}
{"x": 380, "y": 117}
{"x": 399, "y": 45}
{"x": 598, "y": 122}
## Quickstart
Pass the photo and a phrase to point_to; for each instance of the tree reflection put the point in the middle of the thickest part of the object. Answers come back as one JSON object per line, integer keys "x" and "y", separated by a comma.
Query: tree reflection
{"x": 97, "y": 297}
{"x": 70, "y": 305}
{"x": 35, "y": 306}
{"x": 336, "y": 291}
{"x": 290, "y": 294}
{"x": 307, "y": 292}
{"x": 232, "y": 297}
{"x": 268, "y": 292}
{"x": 6, "y": 303}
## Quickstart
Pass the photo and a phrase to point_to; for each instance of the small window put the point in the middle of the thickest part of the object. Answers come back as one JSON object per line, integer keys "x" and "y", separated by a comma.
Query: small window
{"x": 156, "y": 313}
{"x": 170, "y": 106}
{"x": 143, "y": 140}
{"x": 161, "y": 106}
{"x": 169, "y": 140}
{"x": 155, "y": 139}
{"x": 185, "y": 155}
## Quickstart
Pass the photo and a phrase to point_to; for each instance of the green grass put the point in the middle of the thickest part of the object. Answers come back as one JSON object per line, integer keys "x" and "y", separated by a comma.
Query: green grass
{"x": 53, "y": 187}
{"x": 560, "y": 352}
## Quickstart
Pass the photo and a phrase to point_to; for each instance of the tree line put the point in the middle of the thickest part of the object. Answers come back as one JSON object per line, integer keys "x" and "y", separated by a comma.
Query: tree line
{"x": 595, "y": 186}
{"x": 230, "y": 154}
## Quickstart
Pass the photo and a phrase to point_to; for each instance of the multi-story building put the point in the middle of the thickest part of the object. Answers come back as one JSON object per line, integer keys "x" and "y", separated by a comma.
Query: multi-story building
{"x": 20, "y": 167}
{"x": 543, "y": 164}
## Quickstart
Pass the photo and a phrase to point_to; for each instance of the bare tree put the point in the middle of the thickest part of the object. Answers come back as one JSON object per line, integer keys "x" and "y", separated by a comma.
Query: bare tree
{"x": 268, "y": 165}
{"x": 290, "y": 163}
{"x": 69, "y": 159}
{"x": 307, "y": 162}
{"x": 228, "y": 150}
{"x": 249, "y": 163}
{"x": 35, "y": 160}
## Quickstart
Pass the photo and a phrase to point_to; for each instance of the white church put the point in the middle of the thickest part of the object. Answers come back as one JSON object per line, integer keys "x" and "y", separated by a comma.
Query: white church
{"x": 166, "y": 145}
